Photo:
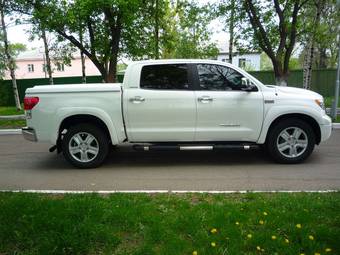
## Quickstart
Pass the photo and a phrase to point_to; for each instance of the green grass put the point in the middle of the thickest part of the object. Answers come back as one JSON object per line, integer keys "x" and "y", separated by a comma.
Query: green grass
{"x": 329, "y": 100}
{"x": 4, "y": 124}
{"x": 169, "y": 224}
{"x": 9, "y": 110}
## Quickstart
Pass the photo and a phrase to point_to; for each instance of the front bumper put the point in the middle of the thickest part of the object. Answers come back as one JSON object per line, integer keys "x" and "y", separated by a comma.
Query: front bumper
{"x": 29, "y": 134}
{"x": 326, "y": 128}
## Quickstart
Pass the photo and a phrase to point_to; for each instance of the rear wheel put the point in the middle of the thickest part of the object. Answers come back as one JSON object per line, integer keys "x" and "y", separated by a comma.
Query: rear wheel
{"x": 290, "y": 141}
{"x": 85, "y": 146}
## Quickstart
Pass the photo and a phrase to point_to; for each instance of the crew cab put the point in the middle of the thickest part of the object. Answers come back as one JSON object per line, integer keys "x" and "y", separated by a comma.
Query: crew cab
{"x": 176, "y": 105}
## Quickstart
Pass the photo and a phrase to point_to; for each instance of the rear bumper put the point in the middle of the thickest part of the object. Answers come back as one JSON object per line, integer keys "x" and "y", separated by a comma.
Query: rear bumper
{"x": 29, "y": 134}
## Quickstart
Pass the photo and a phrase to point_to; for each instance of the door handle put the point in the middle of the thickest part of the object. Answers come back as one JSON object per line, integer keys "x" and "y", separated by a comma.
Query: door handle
{"x": 137, "y": 99}
{"x": 205, "y": 99}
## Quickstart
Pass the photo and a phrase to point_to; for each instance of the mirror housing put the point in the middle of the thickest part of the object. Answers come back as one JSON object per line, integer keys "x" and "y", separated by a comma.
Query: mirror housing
{"x": 247, "y": 85}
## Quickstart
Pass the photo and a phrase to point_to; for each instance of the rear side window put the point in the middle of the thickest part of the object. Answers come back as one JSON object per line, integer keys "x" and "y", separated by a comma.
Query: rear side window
{"x": 169, "y": 77}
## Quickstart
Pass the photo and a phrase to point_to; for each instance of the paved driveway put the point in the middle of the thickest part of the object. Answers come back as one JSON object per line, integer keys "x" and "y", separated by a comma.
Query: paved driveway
{"x": 26, "y": 165}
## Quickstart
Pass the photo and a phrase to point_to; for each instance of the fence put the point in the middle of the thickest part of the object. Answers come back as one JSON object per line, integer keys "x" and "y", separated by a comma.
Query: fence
{"x": 323, "y": 82}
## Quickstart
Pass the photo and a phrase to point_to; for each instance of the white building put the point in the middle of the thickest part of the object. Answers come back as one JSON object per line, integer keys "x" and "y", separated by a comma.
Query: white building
{"x": 250, "y": 61}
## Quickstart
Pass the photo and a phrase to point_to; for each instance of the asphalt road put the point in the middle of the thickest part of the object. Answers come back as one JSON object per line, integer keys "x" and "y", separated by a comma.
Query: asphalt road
{"x": 26, "y": 165}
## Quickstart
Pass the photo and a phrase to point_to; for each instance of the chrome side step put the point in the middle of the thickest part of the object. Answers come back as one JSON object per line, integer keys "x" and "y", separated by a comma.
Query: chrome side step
{"x": 158, "y": 147}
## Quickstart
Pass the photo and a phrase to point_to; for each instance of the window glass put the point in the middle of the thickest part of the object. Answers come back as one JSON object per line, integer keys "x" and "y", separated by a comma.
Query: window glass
{"x": 30, "y": 68}
{"x": 172, "y": 76}
{"x": 60, "y": 67}
{"x": 216, "y": 77}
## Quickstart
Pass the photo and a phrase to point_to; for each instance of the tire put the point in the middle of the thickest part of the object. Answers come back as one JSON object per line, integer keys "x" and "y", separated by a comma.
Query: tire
{"x": 290, "y": 141}
{"x": 85, "y": 146}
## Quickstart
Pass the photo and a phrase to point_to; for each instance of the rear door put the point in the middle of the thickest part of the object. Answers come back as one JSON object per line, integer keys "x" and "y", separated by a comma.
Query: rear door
{"x": 163, "y": 107}
{"x": 224, "y": 111}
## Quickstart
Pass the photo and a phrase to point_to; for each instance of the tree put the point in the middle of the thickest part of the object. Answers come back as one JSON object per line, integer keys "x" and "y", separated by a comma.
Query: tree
{"x": 227, "y": 10}
{"x": 192, "y": 36}
{"x": 10, "y": 63}
{"x": 313, "y": 10}
{"x": 274, "y": 27}
{"x": 106, "y": 23}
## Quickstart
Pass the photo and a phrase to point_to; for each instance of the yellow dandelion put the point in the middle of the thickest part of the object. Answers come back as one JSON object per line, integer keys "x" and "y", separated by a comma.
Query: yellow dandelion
{"x": 261, "y": 222}
{"x": 194, "y": 253}
{"x": 302, "y": 254}
{"x": 213, "y": 231}
{"x": 213, "y": 244}
{"x": 258, "y": 248}
{"x": 265, "y": 213}
{"x": 273, "y": 237}
{"x": 249, "y": 236}
{"x": 310, "y": 237}
{"x": 299, "y": 225}
{"x": 286, "y": 240}
{"x": 328, "y": 250}
{"x": 237, "y": 223}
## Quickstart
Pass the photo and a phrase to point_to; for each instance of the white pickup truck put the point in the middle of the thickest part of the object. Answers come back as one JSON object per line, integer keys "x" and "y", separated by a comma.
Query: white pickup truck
{"x": 176, "y": 105}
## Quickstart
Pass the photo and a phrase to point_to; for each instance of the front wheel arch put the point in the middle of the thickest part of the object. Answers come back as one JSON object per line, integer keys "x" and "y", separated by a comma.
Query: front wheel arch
{"x": 306, "y": 118}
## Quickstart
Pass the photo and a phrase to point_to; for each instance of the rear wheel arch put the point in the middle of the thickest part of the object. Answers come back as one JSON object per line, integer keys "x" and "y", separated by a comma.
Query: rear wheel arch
{"x": 86, "y": 119}
{"x": 306, "y": 118}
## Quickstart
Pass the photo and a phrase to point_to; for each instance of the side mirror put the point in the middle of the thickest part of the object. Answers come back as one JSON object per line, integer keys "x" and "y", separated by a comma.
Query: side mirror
{"x": 247, "y": 85}
{"x": 245, "y": 82}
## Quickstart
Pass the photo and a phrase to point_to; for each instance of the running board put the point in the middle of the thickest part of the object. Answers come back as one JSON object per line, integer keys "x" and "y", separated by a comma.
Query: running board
{"x": 139, "y": 147}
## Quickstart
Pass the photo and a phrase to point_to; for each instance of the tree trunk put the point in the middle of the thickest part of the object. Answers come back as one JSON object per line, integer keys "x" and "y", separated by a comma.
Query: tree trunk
{"x": 281, "y": 77}
{"x": 156, "y": 31}
{"x": 308, "y": 60}
{"x": 231, "y": 31}
{"x": 307, "y": 65}
{"x": 82, "y": 58}
{"x": 47, "y": 56}
{"x": 322, "y": 58}
{"x": 10, "y": 60}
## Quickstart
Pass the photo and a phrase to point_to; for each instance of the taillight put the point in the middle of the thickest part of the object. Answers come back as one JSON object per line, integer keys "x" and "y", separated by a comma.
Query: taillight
{"x": 30, "y": 102}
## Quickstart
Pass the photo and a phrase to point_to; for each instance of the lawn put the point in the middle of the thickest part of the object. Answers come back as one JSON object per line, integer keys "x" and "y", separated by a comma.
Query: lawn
{"x": 280, "y": 223}
{"x": 9, "y": 110}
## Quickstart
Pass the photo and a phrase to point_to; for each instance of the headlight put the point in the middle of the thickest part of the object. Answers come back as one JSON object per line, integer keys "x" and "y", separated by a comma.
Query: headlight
{"x": 320, "y": 103}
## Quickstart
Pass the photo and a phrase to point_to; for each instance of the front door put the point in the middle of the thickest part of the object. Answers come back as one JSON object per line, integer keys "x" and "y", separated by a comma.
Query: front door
{"x": 224, "y": 111}
{"x": 163, "y": 108}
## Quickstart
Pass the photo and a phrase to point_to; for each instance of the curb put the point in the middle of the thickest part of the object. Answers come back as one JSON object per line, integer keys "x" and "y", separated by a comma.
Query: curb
{"x": 13, "y": 117}
{"x": 10, "y": 131}
{"x": 165, "y": 191}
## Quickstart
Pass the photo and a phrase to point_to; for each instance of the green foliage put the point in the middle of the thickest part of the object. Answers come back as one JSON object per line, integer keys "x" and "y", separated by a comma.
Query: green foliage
{"x": 169, "y": 224}
{"x": 14, "y": 50}
{"x": 325, "y": 34}
{"x": 265, "y": 62}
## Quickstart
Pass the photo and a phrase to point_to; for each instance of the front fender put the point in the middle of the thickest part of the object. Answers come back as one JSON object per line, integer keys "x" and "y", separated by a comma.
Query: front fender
{"x": 277, "y": 111}
{"x": 66, "y": 112}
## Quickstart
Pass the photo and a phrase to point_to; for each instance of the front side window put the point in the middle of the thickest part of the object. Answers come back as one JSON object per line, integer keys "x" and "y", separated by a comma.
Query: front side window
{"x": 218, "y": 78}
{"x": 169, "y": 77}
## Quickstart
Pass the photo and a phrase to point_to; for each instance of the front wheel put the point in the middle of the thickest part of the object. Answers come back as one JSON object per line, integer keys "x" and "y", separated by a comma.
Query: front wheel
{"x": 85, "y": 146}
{"x": 290, "y": 141}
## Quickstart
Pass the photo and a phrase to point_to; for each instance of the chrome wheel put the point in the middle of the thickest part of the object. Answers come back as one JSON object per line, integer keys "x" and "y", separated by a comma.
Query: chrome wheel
{"x": 83, "y": 147}
{"x": 292, "y": 142}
